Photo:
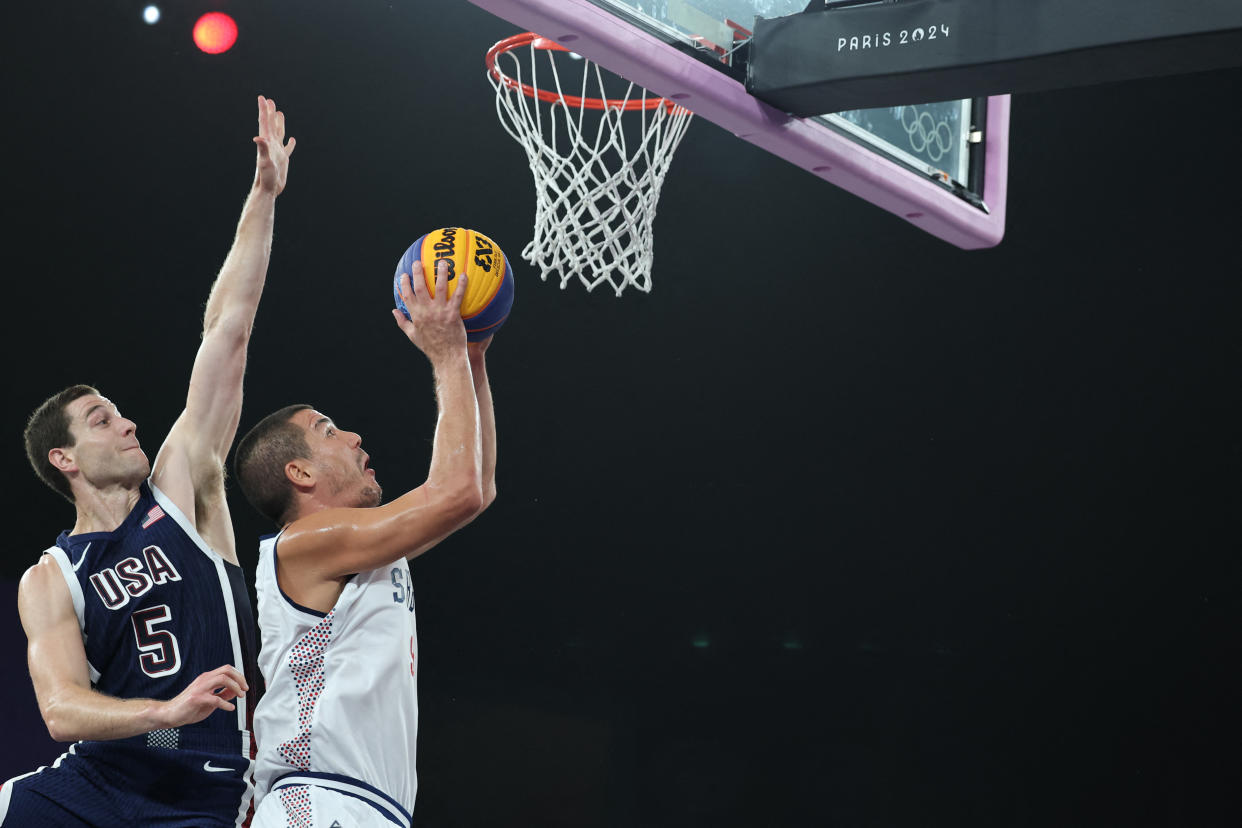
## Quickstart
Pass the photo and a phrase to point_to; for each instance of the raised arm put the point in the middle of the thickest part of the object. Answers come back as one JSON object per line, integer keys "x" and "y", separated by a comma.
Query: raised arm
{"x": 487, "y": 416}
{"x": 330, "y": 544}
{"x": 193, "y": 455}
{"x": 71, "y": 709}
{"x": 487, "y": 441}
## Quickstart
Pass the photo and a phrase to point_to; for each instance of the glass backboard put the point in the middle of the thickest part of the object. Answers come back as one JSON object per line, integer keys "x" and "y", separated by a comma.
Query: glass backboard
{"x": 933, "y": 136}
{"x": 941, "y": 166}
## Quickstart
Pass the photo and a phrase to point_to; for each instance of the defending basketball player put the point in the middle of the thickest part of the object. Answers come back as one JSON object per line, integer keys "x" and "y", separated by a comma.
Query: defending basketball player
{"x": 141, "y": 635}
{"x": 338, "y": 726}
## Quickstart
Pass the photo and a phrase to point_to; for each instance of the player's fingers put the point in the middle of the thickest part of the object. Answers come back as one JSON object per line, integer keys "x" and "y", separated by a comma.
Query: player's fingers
{"x": 407, "y": 285}
{"x": 265, "y": 127}
{"x": 228, "y": 671}
{"x": 227, "y": 688}
{"x": 280, "y": 125}
{"x": 418, "y": 281}
{"x": 213, "y": 675}
{"x": 459, "y": 294}
{"x": 441, "y": 277}
{"x": 224, "y": 705}
{"x": 293, "y": 142}
{"x": 402, "y": 314}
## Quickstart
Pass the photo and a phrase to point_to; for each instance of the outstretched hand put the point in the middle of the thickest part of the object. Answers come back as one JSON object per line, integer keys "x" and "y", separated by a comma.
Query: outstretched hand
{"x": 209, "y": 692}
{"x": 272, "y": 159}
{"x": 434, "y": 324}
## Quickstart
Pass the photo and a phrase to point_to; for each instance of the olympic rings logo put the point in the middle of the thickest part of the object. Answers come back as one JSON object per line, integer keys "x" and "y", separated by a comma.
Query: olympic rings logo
{"x": 925, "y": 134}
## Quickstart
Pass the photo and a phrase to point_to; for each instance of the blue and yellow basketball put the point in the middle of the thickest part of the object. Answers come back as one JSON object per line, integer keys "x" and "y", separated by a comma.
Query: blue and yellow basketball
{"x": 489, "y": 281}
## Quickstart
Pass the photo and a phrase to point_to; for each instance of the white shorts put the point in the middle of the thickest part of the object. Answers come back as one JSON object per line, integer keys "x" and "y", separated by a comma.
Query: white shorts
{"x": 315, "y": 806}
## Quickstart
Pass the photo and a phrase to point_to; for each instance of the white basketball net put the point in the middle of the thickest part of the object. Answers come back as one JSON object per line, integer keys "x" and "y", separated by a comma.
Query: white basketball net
{"x": 595, "y": 190}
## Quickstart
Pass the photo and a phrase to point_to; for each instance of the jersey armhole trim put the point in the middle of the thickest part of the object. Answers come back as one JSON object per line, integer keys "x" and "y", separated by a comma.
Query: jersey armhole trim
{"x": 171, "y": 509}
{"x": 289, "y": 601}
{"x": 79, "y": 600}
{"x": 71, "y": 581}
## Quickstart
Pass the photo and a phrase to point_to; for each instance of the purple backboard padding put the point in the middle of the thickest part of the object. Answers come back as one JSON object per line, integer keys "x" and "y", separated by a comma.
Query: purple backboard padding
{"x": 644, "y": 59}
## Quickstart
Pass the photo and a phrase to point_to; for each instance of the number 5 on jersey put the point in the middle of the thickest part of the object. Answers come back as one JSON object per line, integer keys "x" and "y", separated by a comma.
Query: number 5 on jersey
{"x": 159, "y": 654}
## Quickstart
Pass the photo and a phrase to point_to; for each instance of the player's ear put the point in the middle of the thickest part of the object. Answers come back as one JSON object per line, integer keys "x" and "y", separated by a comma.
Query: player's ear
{"x": 62, "y": 459}
{"x": 300, "y": 473}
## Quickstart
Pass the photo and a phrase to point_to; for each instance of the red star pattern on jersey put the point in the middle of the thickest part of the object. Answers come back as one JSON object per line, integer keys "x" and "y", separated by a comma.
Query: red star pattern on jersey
{"x": 306, "y": 664}
{"x": 297, "y": 802}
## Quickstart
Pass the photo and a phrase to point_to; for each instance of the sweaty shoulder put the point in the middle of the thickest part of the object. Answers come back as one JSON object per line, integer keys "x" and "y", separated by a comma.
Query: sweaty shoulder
{"x": 308, "y": 535}
{"x": 43, "y": 574}
{"x": 43, "y": 591}
{"x": 306, "y": 564}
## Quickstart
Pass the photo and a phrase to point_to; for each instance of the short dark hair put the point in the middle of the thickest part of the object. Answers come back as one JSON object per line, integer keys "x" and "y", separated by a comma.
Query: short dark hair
{"x": 48, "y": 428}
{"x": 260, "y": 462}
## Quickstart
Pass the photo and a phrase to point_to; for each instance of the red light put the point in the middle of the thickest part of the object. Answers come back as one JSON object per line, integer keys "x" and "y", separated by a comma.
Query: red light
{"x": 215, "y": 32}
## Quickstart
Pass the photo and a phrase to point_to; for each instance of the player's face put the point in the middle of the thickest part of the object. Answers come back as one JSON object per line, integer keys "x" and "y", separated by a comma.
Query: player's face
{"x": 340, "y": 461}
{"x": 105, "y": 447}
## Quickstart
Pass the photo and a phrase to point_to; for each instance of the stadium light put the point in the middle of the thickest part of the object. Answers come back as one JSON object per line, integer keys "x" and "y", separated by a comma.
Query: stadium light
{"x": 215, "y": 33}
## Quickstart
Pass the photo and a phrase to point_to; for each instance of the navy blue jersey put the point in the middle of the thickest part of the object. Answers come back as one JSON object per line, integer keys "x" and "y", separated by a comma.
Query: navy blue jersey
{"x": 157, "y": 607}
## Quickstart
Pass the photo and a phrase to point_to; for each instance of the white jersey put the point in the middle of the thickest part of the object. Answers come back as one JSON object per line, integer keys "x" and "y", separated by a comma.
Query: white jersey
{"x": 341, "y": 705}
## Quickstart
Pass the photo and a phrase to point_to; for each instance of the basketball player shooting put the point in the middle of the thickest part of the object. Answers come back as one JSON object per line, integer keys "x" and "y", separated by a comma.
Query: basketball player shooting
{"x": 141, "y": 637}
{"x": 338, "y": 725}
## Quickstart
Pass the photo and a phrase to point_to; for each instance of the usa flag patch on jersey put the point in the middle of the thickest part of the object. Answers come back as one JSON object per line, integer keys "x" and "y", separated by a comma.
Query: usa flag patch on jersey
{"x": 152, "y": 516}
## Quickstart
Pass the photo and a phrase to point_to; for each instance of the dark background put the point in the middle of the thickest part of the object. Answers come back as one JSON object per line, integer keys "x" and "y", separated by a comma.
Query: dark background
{"x": 840, "y": 525}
